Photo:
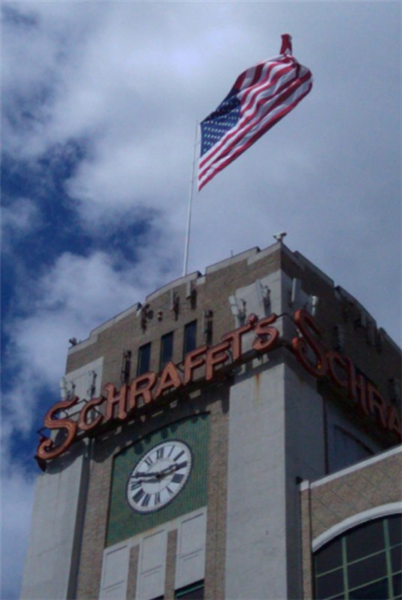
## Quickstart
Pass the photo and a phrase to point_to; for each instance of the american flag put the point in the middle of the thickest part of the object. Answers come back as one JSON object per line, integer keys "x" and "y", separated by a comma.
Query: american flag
{"x": 260, "y": 97}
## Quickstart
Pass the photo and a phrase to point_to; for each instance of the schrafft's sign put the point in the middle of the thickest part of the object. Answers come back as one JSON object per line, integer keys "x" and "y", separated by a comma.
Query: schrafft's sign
{"x": 149, "y": 390}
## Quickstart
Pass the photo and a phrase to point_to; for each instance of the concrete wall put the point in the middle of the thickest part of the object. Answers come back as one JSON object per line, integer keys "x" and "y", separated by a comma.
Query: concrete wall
{"x": 56, "y": 529}
{"x": 304, "y": 458}
{"x": 256, "y": 507}
{"x": 276, "y": 438}
{"x": 51, "y": 564}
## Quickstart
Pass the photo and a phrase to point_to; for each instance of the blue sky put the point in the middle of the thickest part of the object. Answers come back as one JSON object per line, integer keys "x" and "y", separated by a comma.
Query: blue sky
{"x": 99, "y": 105}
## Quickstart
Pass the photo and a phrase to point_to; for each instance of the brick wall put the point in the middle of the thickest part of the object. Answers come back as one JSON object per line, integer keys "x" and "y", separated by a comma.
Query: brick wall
{"x": 357, "y": 489}
{"x": 95, "y": 526}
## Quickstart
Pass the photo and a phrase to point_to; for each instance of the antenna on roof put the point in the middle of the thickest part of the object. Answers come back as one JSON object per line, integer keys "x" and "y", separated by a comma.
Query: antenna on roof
{"x": 279, "y": 236}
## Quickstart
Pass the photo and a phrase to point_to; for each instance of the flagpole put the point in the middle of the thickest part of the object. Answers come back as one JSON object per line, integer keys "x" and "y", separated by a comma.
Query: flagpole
{"x": 190, "y": 205}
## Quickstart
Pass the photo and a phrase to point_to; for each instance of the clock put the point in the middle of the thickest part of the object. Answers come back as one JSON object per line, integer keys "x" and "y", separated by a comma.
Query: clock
{"x": 159, "y": 476}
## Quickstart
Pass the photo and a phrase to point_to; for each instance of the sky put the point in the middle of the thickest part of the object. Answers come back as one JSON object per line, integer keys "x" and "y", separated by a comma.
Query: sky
{"x": 100, "y": 102}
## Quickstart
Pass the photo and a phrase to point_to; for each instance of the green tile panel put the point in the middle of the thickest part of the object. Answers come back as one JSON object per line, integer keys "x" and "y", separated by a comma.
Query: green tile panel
{"x": 123, "y": 521}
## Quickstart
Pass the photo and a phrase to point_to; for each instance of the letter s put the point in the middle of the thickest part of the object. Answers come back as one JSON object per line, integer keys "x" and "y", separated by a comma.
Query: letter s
{"x": 46, "y": 448}
{"x": 301, "y": 345}
{"x": 266, "y": 335}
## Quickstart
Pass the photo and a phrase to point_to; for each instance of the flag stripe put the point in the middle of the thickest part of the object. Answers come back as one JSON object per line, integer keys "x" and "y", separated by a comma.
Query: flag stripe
{"x": 280, "y": 77}
{"x": 260, "y": 97}
{"x": 251, "y": 103}
{"x": 261, "y": 108}
{"x": 259, "y": 129}
{"x": 268, "y": 72}
{"x": 282, "y": 109}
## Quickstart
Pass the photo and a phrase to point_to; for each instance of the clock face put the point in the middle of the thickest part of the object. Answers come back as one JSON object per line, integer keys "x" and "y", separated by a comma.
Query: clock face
{"x": 159, "y": 476}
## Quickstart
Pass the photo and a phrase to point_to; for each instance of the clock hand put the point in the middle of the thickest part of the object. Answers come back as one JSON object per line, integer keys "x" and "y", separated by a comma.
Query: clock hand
{"x": 172, "y": 468}
{"x": 180, "y": 465}
{"x": 146, "y": 475}
{"x": 158, "y": 474}
{"x": 166, "y": 471}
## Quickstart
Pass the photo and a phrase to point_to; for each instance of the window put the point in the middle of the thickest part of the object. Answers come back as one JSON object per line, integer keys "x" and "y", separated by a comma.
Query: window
{"x": 190, "y": 337}
{"x": 362, "y": 564}
{"x": 144, "y": 359}
{"x": 195, "y": 591}
{"x": 347, "y": 450}
{"x": 166, "y": 349}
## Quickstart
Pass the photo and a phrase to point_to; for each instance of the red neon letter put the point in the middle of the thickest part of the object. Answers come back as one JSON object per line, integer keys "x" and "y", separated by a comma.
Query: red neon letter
{"x": 357, "y": 385}
{"x": 141, "y": 388}
{"x": 394, "y": 422}
{"x": 193, "y": 360}
{"x": 267, "y": 335}
{"x": 336, "y": 361}
{"x": 377, "y": 404}
{"x": 301, "y": 345}
{"x": 82, "y": 421}
{"x": 114, "y": 398}
{"x": 234, "y": 337}
{"x": 46, "y": 449}
{"x": 170, "y": 379}
{"x": 216, "y": 355}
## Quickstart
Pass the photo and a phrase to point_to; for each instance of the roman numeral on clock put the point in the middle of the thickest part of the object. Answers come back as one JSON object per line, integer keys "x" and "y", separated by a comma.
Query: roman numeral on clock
{"x": 177, "y": 478}
{"x": 146, "y": 500}
{"x": 159, "y": 476}
{"x": 179, "y": 455}
{"x": 138, "y": 495}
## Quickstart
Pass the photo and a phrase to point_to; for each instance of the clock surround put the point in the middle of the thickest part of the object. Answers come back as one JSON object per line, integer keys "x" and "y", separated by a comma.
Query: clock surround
{"x": 159, "y": 476}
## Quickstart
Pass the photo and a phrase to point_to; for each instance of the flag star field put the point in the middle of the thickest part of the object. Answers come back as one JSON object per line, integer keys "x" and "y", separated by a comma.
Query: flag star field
{"x": 219, "y": 122}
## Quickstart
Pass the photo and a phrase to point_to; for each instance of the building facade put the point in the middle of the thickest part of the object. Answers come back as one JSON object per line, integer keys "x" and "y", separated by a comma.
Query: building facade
{"x": 227, "y": 439}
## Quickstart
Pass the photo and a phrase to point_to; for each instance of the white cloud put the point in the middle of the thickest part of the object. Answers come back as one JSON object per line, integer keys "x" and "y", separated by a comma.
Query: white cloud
{"x": 18, "y": 220}
{"x": 77, "y": 294}
{"x": 16, "y": 507}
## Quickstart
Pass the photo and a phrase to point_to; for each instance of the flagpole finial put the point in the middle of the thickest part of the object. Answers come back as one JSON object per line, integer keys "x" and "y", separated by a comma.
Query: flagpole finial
{"x": 286, "y": 44}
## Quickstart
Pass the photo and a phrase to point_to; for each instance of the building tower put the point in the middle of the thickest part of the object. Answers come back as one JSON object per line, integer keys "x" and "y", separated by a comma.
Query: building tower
{"x": 234, "y": 437}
